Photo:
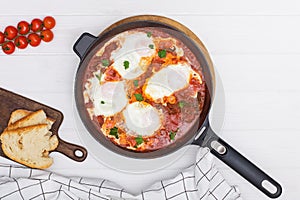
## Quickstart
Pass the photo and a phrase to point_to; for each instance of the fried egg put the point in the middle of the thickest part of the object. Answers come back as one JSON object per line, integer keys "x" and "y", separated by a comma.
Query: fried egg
{"x": 142, "y": 118}
{"x": 108, "y": 98}
{"x": 133, "y": 56}
{"x": 169, "y": 80}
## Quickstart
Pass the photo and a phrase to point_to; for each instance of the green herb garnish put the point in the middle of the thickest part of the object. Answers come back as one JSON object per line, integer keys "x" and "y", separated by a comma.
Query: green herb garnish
{"x": 126, "y": 64}
{"x": 162, "y": 53}
{"x": 102, "y": 102}
{"x": 138, "y": 97}
{"x": 181, "y": 104}
{"x": 136, "y": 83}
{"x": 172, "y": 135}
{"x": 151, "y": 46}
{"x": 139, "y": 140}
{"x": 98, "y": 76}
{"x": 114, "y": 131}
{"x": 105, "y": 62}
{"x": 149, "y": 34}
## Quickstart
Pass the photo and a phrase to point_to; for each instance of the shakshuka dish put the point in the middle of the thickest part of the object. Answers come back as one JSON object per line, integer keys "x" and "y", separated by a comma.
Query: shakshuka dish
{"x": 143, "y": 89}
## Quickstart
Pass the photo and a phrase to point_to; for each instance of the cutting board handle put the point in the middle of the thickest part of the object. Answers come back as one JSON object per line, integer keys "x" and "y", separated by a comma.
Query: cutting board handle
{"x": 73, "y": 151}
{"x": 83, "y": 43}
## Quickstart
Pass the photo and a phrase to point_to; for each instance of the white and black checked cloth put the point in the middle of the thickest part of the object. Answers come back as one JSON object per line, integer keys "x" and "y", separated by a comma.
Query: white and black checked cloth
{"x": 201, "y": 181}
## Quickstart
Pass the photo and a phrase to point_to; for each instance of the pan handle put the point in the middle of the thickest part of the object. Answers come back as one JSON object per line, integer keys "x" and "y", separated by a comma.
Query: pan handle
{"x": 73, "y": 151}
{"x": 241, "y": 165}
{"x": 83, "y": 43}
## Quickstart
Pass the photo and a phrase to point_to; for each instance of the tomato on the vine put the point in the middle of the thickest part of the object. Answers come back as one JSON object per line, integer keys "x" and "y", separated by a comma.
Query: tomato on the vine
{"x": 27, "y": 33}
{"x": 8, "y": 47}
{"x": 10, "y": 32}
{"x": 49, "y": 22}
{"x": 2, "y": 37}
{"x": 23, "y": 27}
{"x": 36, "y": 25}
{"x": 21, "y": 42}
{"x": 47, "y": 35}
{"x": 34, "y": 39}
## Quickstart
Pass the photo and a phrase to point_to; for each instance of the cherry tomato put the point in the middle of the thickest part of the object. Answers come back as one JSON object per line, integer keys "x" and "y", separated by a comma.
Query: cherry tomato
{"x": 34, "y": 39}
{"x": 23, "y": 27}
{"x": 10, "y": 32}
{"x": 47, "y": 35}
{"x": 36, "y": 25}
{"x": 49, "y": 22}
{"x": 8, "y": 47}
{"x": 2, "y": 37}
{"x": 21, "y": 42}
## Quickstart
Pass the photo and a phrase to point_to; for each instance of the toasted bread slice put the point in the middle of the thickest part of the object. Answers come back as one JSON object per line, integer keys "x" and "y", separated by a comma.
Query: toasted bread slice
{"x": 30, "y": 145}
{"x": 17, "y": 115}
{"x": 32, "y": 118}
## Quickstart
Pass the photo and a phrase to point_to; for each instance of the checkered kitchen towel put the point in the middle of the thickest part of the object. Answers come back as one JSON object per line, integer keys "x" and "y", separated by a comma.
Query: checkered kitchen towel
{"x": 200, "y": 181}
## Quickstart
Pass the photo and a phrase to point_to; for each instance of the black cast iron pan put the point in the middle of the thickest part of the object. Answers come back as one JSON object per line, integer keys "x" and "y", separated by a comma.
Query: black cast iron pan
{"x": 201, "y": 133}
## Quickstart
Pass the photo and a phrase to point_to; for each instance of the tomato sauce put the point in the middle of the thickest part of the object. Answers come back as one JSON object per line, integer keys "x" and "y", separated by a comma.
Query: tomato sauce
{"x": 180, "y": 110}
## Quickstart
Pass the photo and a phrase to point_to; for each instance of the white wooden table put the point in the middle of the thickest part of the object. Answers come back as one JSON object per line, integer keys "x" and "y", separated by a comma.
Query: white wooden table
{"x": 255, "y": 46}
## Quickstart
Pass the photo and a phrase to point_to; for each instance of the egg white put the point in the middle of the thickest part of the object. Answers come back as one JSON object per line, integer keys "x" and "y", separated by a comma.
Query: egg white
{"x": 108, "y": 98}
{"x": 133, "y": 47}
{"x": 168, "y": 80}
{"x": 142, "y": 118}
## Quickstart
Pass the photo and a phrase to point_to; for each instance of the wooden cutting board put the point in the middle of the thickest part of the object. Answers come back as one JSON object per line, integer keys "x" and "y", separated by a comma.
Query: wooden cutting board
{"x": 10, "y": 101}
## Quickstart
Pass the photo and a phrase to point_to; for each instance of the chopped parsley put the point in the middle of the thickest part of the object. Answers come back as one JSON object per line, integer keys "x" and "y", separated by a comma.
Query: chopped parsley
{"x": 172, "y": 135}
{"x": 98, "y": 76}
{"x": 136, "y": 83}
{"x": 162, "y": 53}
{"x": 138, "y": 97}
{"x": 181, "y": 104}
{"x": 126, "y": 64}
{"x": 102, "y": 102}
{"x": 151, "y": 46}
{"x": 139, "y": 140}
{"x": 105, "y": 62}
{"x": 114, "y": 131}
{"x": 149, "y": 34}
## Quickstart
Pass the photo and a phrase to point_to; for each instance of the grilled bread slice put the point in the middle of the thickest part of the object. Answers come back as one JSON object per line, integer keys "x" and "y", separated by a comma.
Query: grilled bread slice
{"x": 30, "y": 145}
{"x": 27, "y": 138}
{"x": 28, "y": 119}
{"x": 17, "y": 115}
